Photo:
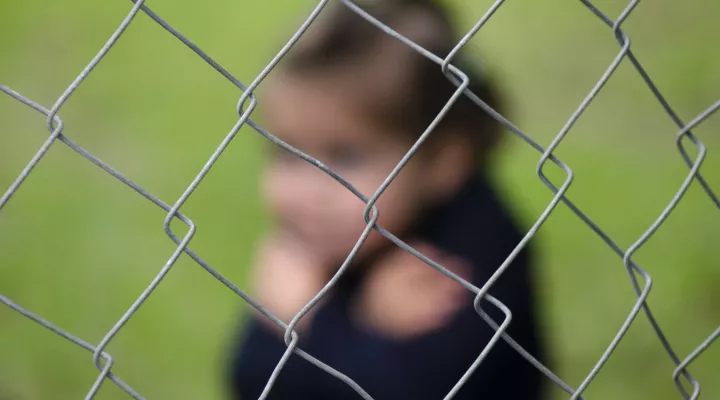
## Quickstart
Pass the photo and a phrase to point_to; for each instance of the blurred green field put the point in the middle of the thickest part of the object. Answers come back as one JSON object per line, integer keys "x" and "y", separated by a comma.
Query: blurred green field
{"x": 77, "y": 246}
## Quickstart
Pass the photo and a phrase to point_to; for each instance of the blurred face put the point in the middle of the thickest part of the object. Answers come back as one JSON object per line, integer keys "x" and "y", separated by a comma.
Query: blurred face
{"x": 325, "y": 122}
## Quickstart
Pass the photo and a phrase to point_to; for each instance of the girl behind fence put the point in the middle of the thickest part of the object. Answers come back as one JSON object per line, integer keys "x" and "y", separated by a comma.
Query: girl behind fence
{"x": 357, "y": 99}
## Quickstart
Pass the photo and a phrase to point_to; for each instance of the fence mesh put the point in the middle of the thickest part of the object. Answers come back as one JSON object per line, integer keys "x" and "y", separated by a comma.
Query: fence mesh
{"x": 640, "y": 280}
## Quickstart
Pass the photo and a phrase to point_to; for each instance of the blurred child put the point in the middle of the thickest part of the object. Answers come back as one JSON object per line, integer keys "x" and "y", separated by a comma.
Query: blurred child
{"x": 356, "y": 99}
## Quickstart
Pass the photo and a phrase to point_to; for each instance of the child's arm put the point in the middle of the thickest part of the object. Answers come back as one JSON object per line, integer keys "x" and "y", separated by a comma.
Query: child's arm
{"x": 431, "y": 334}
{"x": 285, "y": 277}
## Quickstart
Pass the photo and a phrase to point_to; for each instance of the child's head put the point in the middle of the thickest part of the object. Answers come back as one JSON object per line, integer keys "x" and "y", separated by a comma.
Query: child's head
{"x": 357, "y": 99}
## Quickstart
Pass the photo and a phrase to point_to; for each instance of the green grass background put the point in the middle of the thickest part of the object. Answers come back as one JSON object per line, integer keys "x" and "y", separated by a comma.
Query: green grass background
{"x": 77, "y": 246}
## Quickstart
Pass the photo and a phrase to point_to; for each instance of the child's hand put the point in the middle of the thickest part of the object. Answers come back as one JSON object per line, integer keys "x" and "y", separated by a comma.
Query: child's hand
{"x": 404, "y": 297}
{"x": 287, "y": 276}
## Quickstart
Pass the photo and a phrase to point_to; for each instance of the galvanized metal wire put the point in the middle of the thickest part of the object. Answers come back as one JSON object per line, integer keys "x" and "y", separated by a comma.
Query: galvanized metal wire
{"x": 639, "y": 279}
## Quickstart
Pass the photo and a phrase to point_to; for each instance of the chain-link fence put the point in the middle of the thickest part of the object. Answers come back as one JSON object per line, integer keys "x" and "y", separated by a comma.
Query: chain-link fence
{"x": 640, "y": 280}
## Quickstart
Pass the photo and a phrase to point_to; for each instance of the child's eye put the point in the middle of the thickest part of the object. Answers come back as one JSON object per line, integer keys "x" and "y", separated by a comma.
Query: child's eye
{"x": 280, "y": 155}
{"x": 347, "y": 157}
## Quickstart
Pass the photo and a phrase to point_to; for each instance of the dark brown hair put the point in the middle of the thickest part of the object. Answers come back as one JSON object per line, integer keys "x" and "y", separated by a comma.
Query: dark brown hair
{"x": 406, "y": 89}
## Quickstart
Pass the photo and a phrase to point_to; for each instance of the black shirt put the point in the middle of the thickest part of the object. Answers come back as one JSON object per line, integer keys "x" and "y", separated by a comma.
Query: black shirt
{"x": 474, "y": 226}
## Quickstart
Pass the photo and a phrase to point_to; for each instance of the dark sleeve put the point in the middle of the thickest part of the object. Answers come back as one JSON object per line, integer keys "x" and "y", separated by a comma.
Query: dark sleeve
{"x": 423, "y": 368}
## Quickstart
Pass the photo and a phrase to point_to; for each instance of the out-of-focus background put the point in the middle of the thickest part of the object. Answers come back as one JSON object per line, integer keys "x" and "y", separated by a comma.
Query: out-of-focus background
{"x": 77, "y": 246}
